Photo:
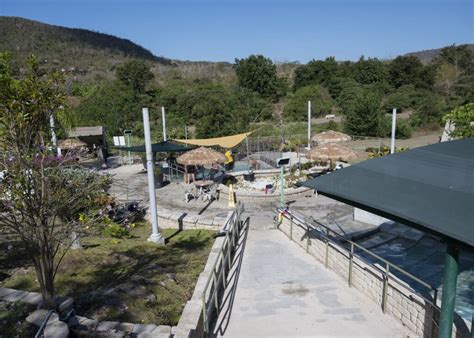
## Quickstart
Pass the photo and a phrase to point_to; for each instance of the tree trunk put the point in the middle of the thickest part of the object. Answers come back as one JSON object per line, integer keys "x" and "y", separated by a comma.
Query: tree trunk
{"x": 44, "y": 266}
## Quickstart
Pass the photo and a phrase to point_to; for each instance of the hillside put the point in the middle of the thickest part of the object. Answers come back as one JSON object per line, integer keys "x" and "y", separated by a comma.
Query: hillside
{"x": 91, "y": 56}
{"x": 79, "y": 51}
{"x": 428, "y": 55}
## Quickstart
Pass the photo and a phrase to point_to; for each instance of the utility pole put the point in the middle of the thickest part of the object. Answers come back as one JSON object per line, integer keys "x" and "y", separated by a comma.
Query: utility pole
{"x": 394, "y": 124}
{"x": 164, "y": 122}
{"x": 309, "y": 125}
{"x": 155, "y": 236}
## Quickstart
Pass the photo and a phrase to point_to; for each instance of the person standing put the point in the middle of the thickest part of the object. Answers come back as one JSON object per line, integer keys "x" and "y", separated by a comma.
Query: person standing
{"x": 229, "y": 163}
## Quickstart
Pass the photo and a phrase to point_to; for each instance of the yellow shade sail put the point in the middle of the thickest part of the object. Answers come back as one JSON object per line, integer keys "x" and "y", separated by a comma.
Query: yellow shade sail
{"x": 224, "y": 142}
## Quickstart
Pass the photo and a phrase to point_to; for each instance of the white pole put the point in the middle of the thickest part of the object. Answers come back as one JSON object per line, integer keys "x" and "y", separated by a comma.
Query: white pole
{"x": 163, "y": 117}
{"x": 155, "y": 235}
{"x": 394, "y": 124}
{"x": 54, "y": 139}
{"x": 309, "y": 125}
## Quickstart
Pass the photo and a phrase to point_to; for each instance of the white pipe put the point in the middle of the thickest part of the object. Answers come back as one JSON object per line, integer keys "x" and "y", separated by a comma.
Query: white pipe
{"x": 309, "y": 125}
{"x": 163, "y": 117}
{"x": 394, "y": 124}
{"x": 155, "y": 235}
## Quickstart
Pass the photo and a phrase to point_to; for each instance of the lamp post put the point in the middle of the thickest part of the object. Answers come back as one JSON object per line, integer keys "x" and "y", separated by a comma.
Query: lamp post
{"x": 155, "y": 236}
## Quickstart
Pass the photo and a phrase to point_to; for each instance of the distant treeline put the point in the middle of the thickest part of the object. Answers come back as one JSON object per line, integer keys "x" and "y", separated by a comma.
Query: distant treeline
{"x": 363, "y": 92}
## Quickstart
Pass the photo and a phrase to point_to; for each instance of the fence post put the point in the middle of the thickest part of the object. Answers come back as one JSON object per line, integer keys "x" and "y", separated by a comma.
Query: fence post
{"x": 214, "y": 281}
{"x": 351, "y": 257}
{"x": 385, "y": 288}
{"x": 326, "y": 261}
{"x": 291, "y": 227}
{"x": 307, "y": 238}
{"x": 204, "y": 313}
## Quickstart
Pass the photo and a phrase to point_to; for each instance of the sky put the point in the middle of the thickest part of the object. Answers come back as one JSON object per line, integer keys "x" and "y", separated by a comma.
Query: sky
{"x": 298, "y": 30}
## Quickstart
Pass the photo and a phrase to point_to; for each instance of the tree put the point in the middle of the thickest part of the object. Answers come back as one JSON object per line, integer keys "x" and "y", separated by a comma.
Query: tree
{"x": 370, "y": 71}
{"x": 406, "y": 70}
{"x": 363, "y": 114}
{"x": 135, "y": 74}
{"x": 316, "y": 72}
{"x": 429, "y": 109}
{"x": 297, "y": 103}
{"x": 113, "y": 104}
{"x": 405, "y": 97}
{"x": 259, "y": 74}
{"x": 455, "y": 73}
{"x": 463, "y": 118}
{"x": 40, "y": 199}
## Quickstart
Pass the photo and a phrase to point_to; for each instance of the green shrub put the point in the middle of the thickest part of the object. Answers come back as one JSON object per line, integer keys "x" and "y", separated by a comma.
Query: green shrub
{"x": 116, "y": 231}
{"x": 403, "y": 129}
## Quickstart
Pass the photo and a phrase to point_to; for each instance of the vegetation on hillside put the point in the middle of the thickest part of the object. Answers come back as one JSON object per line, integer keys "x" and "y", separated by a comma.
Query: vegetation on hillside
{"x": 221, "y": 98}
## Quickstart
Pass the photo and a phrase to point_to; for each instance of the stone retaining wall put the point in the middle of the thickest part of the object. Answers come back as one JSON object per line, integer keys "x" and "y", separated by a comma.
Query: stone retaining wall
{"x": 260, "y": 196}
{"x": 181, "y": 220}
{"x": 403, "y": 303}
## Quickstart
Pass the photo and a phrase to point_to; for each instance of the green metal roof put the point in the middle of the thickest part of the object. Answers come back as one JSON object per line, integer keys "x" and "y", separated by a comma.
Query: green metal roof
{"x": 161, "y": 147}
{"x": 430, "y": 188}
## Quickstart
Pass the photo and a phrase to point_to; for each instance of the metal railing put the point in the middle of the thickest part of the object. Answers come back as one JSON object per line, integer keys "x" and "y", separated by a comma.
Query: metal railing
{"x": 325, "y": 232}
{"x": 217, "y": 281}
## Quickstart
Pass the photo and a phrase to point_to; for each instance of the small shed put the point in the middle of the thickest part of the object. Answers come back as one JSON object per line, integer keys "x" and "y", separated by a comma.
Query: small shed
{"x": 94, "y": 136}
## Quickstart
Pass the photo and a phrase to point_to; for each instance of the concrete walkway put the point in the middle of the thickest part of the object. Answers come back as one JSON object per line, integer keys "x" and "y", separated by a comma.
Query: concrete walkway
{"x": 282, "y": 291}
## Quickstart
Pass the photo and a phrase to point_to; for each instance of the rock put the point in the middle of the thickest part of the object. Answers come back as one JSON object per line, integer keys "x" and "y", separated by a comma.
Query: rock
{"x": 82, "y": 323}
{"x": 107, "y": 326}
{"x": 143, "y": 328}
{"x": 56, "y": 329}
{"x": 150, "y": 298}
{"x": 37, "y": 317}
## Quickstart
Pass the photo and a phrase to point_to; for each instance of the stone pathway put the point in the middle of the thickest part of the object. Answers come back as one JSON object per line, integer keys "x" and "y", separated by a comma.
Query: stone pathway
{"x": 282, "y": 291}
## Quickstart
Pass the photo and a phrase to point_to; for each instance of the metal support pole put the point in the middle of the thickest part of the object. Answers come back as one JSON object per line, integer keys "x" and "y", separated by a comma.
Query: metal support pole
{"x": 282, "y": 188}
{"x": 309, "y": 125}
{"x": 394, "y": 124}
{"x": 291, "y": 227}
{"x": 326, "y": 261}
{"x": 155, "y": 235}
{"x": 204, "y": 314}
{"x": 385, "y": 288}
{"x": 451, "y": 265}
{"x": 351, "y": 258}
{"x": 248, "y": 154}
{"x": 129, "y": 153}
{"x": 163, "y": 117}
{"x": 307, "y": 239}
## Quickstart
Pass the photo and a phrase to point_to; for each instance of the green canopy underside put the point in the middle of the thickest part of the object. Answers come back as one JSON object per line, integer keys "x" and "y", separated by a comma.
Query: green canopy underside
{"x": 430, "y": 188}
{"x": 161, "y": 147}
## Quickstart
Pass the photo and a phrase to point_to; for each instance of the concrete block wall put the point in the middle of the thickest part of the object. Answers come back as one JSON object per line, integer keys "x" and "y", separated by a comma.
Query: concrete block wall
{"x": 402, "y": 302}
{"x": 179, "y": 220}
{"x": 191, "y": 323}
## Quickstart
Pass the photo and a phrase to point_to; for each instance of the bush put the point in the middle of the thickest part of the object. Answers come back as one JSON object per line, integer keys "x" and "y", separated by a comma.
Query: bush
{"x": 116, "y": 231}
{"x": 403, "y": 129}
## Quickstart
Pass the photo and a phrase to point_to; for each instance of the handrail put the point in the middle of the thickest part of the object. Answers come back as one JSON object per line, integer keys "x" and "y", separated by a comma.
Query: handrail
{"x": 43, "y": 323}
{"x": 304, "y": 225}
{"x": 222, "y": 263}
